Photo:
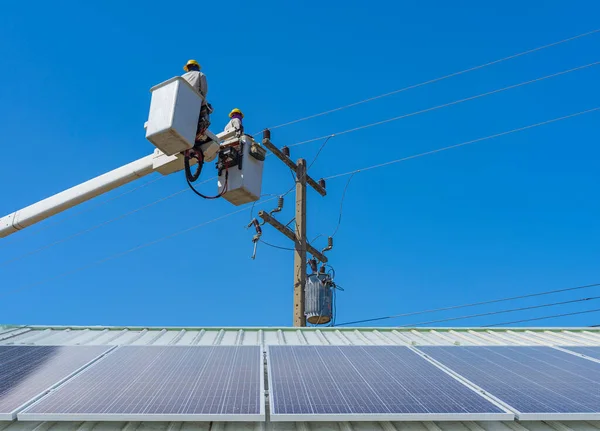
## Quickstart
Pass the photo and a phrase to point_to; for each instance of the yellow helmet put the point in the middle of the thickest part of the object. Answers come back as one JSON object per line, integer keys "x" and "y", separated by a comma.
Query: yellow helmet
{"x": 236, "y": 111}
{"x": 190, "y": 63}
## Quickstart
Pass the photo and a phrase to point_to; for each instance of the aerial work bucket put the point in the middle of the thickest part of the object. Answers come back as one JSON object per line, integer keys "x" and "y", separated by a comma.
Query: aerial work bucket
{"x": 173, "y": 116}
{"x": 318, "y": 299}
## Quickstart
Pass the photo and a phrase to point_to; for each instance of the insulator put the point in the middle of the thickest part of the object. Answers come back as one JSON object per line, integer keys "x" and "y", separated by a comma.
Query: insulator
{"x": 330, "y": 242}
{"x": 267, "y": 134}
{"x": 286, "y": 151}
{"x": 280, "y": 202}
{"x": 322, "y": 182}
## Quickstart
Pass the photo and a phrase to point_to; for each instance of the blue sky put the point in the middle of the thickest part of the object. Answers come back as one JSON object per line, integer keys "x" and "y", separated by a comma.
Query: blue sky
{"x": 514, "y": 215}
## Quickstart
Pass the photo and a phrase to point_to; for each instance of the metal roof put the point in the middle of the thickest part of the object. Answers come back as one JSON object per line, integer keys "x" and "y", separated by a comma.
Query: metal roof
{"x": 75, "y": 335}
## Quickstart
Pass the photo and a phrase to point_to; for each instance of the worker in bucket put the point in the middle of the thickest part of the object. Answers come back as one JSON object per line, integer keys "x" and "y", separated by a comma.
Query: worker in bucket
{"x": 197, "y": 80}
{"x": 235, "y": 123}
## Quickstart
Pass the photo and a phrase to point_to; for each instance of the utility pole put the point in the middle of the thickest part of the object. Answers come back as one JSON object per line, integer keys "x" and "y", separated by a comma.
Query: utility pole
{"x": 298, "y": 236}
{"x": 300, "y": 245}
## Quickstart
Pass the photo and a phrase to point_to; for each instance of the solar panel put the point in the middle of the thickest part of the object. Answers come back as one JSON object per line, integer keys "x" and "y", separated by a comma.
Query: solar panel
{"x": 358, "y": 383}
{"x": 27, "y": 372}
{"x": 592, "y": 352}
{"x": 539, "y": 383}
{"x": 162, "y": 383}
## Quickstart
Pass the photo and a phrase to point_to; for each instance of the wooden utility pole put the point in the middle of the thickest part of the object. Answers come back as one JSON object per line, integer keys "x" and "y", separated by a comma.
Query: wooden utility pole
{"x": 298, "y": 236}
{"x": 300, "y": 245}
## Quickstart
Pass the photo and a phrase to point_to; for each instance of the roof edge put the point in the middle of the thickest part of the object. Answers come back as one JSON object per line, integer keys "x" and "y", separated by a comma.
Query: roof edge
{"x": 291, "y": 328}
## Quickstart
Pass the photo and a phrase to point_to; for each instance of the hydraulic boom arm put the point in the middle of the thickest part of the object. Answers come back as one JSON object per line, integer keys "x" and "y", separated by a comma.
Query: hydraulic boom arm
{"x": 96, "y": 186}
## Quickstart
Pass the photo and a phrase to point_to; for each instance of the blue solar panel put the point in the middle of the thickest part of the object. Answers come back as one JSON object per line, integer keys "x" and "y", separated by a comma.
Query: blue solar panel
{"x": 27, "y": 372}
{"x": 182, "y": 383}
{"x": 539, "y": 383}
{"x": 316, "y": 383}
{"x": 592, "y": 352}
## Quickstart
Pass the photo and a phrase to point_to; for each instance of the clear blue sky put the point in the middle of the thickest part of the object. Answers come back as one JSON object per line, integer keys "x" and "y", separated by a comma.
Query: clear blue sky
{"x": 504, "y": 217}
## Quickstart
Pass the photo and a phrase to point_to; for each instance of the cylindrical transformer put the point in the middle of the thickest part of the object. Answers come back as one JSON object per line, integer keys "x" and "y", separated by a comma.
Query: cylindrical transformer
{"x": 318, "y": 297}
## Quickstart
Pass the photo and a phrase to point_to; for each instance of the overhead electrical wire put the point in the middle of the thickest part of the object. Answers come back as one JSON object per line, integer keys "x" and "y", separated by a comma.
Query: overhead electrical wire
{"x": 554, "y": 316}
{"x": 492, "y": 313}
{"x": 328, "y": 137}
{"x": 462, "y": 144}
{"x": 123, "y": 253}
{"x": 342, "y": 206}
{"x": 472, "y": 304}
{"x": 319, "y": 152}
{"x": 276, "y": 246}
{"x": 431, "y": 81}
{"x": 445, "y": 105}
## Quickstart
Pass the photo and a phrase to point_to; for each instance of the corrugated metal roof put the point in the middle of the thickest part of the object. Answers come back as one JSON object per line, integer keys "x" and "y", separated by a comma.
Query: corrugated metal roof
{"x": 59, "y": 335}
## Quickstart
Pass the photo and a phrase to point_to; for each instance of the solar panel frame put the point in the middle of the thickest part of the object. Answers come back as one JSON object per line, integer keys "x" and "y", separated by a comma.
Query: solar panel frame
{"x": 152, "y": 417}
{"x": 504, "y": 415}
{"x": 522, "y": 416}
{"x": 12, "y": 415}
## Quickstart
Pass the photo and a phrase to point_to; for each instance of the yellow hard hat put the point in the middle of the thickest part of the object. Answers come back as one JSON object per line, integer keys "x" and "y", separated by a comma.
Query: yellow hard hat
{"x": 236, "y": 111}
{"x": 189, "y": 63}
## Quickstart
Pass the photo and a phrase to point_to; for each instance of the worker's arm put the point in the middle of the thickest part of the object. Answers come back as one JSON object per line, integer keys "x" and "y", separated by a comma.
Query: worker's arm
{"x": 203, "y": 86}
{"x": 237, "y": 125}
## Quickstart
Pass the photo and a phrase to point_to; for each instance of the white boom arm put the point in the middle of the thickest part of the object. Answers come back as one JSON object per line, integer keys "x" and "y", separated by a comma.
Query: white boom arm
{"x": 69, "y": 198}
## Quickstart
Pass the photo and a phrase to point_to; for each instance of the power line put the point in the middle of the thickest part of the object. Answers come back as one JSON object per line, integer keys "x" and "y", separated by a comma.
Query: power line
{"x": 473, "y": 304}
{"x": 431, "y": 81}
{"x": 462, "y": 144}
{"x": 97, "y": 226}
{"x": 545, "y": 317}
{"x": 456, "y": 102}
{"x": 319, "y": 152}
{"x": 131, "y": 250}
{"x": 276, "y": 246}
{"x": 342, "y": 206}
{"x": 511, "y": 310}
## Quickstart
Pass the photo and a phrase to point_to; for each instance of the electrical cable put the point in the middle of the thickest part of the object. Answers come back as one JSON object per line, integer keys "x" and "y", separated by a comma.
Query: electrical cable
{"x": 431, "y": 81}
{"x": 342, "y": 206}
{"x": 117, "y": 255}
{"x": 511, "y": 310}
{"x": 456, "y": 102}
{"x": 191, "y": 177}
{"x": 544, "y": 318}
{"x": 211, "y": 197}
{"x": 276, "y": 246}
{"x": 319, "y": 152}
{"x": 462, "y": 144}
{"x": 474, "y": 304}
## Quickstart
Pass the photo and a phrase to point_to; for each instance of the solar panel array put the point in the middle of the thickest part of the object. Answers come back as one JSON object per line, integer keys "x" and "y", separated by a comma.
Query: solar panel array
{"x": 308, "y": 383}
{"x": 162, "y": 383}
{"x": 26, "y": 372}
{"x": 541, "y": 383}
